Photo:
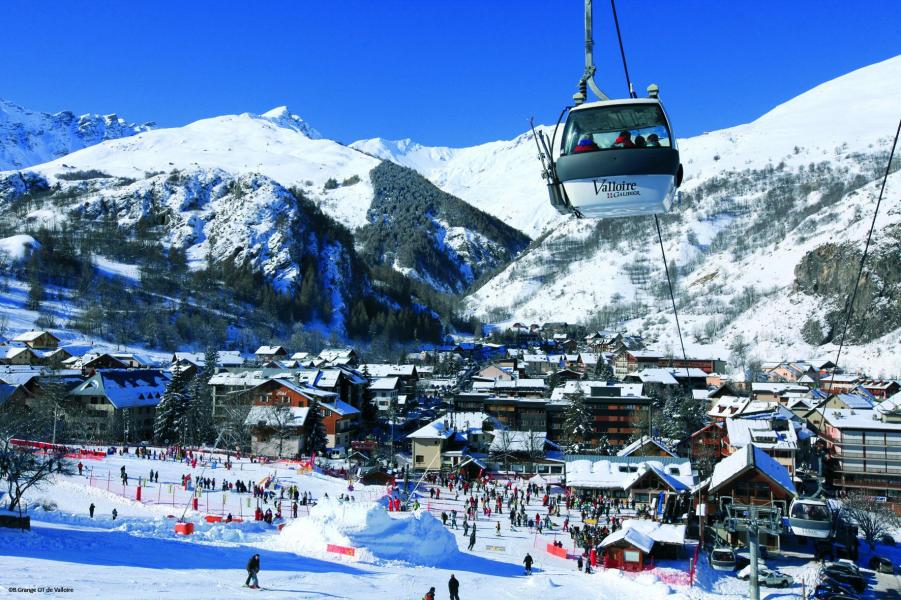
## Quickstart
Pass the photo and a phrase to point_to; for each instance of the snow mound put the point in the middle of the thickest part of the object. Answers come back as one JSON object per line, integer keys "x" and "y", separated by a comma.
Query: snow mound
{"x": 415, "y": 538}
{"x": 17, "y": 247}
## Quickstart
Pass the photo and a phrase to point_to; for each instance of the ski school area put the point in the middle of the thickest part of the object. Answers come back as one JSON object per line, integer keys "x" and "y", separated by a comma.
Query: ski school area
{"x": 182, "y": 532}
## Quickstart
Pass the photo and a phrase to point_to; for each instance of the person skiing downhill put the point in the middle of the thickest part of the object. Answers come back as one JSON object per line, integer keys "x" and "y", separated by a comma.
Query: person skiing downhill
{"x": 253, "y": 567}
{"x": 527, "y": 561}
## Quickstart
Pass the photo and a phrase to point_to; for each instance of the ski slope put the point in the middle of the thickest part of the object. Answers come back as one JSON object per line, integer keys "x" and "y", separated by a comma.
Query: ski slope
{"x": 399, "y": 555}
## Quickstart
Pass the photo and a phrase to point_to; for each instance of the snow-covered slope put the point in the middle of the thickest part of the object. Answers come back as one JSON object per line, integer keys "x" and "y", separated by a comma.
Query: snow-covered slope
{"x": 29, "y": 138}
{"x": 277, "y": 144}
{"x": 500, "y": 178}
{"x": 757, "y": 198}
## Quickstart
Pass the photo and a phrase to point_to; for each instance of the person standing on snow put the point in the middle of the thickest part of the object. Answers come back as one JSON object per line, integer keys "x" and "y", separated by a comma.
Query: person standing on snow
{"x": 115, "y": 514}
{"x": 472, "y": 539}
{"x": 527, "y": 561}
{"x": 253, "y": 567}
{"x": 91, "y": 510}
{"x": 453, "y": 586}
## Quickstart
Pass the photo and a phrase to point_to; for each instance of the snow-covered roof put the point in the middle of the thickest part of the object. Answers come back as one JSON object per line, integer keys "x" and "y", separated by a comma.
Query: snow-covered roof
{"x": 887, "y": 406}
{"x": 632, "y": 536}
{"x": 340, "y": 408}
{"x": 30, "y": 336}
{"x": 443, "y": 427}
{"x": 518, "y": 441}
{"x": 620, "y": 472}
{"x": 662, "y": 376}
{"x": 126, "y": 388}
{"x": 645, "y": 353}
{"x": 856, "y": 401}
{"x": 383, "y": 370}
{"x": 509, "y": 384}
{"x": 663, "y": 533}
{"x": 386, "y": 384}
{"x": 746, "y": 459}
{"x": 776, "y": 388}
{"x": 270, "y": 350}
{"x": 589, "y": 358}
{"x": 849, "y": 418}
{"x": 560, "y": 393}
{"x": 761, "y": 433}
{"x": 14, "y": 351}
{"x": 294, "y": 416}
{"x": 634, "y": 446}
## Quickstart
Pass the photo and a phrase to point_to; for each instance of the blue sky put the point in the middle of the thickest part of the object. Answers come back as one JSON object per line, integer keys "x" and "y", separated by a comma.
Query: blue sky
{"x": 453, "y": 73}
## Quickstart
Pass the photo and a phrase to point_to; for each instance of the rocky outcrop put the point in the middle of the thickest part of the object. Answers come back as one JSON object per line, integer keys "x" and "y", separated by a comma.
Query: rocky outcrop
{"x": 829, "y": 272}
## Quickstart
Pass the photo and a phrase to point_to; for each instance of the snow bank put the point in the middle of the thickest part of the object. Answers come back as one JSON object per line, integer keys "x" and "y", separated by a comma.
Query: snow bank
{"x": 416, "y": 538}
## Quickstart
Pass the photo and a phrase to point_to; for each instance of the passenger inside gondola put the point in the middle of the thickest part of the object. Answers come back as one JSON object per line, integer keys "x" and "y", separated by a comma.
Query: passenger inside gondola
{"x": 586, "y": 144}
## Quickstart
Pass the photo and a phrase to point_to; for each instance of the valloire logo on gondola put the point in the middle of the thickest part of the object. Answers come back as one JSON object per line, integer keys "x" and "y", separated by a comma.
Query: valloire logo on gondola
{"x": 615, "y": 189}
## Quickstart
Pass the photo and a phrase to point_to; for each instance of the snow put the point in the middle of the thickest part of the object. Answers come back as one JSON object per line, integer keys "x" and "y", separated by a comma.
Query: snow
{"x": 17, "y": 247}
{"x": 276, "y": 144}
{"x": 748, "y": 458}
{"x": 112, "y": 268}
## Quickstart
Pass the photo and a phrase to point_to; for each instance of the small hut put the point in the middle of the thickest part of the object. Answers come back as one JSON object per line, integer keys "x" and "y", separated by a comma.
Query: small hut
{"x": 626, "y": 549}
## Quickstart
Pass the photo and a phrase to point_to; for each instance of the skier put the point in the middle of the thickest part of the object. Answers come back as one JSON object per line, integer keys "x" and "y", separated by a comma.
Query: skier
{"x": 115, "y": 514}
{"x": 80, "y": 467}
{"x": 91, "y": 510}
{"x": 498, "y": 529}
{"x": 429, "y": 595}
{"x": 579, "y": 562}
{"x": 472, "y": 539}
{"x": 527, "y": 561}
{"x": 253, "y": 567}
{"x": 453, "y": 586}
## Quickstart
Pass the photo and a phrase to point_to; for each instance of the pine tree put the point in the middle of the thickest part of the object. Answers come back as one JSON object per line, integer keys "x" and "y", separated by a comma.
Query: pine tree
{"x": 577, "y": 423}
{"x": 603, "y": 371}
{"x": 171, "y": 408}
{"x": 316, "y": 439}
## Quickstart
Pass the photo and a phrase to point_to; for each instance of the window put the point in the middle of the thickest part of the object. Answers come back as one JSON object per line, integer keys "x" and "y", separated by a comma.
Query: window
{"x": 602, "y": 126}
{"x": 420, "y": 458}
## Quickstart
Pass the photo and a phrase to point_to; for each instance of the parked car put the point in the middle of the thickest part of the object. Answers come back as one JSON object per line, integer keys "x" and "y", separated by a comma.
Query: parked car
{"x": 845, "y": 576}
{"x": 880, "y": 564}
{"x": 767, "y": 577}
{"x": 845, "y": 564}
{"x": 722, "y": 558}
{"x": 836, "y": 587}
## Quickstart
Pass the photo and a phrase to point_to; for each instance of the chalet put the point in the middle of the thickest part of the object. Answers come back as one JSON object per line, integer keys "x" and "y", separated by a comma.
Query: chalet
{"x": 20, "y": 355}
{"x": 790, "y": 371}
{"x": 773, "y": 391}
{"x": 339, "y": 418}
{"x": 266, "y": 354}
{"x": 226, "y": 359}
{"x": 408, "y": 375}
{"x": 639, "y": 541}
{"x": 629, "y": 361}
{"x": 881, "y": 388}
{"x": 38, "y": 340}
{"x": 588, "y": 362}
{"x": 707, "y": 446}
{"x": 524, "y": 453}
{"x": 277, "y": 431}
{"x": 339, "y": 356}
{"x": 384, "y": 391}
{"x": 778, "y": 436}
{"x": 54, "y": 358}
{"x": 750, "y": 476}
{"x": 839, "y": 382}
{"x": 641, "y": 479}
{"x": 494, "y": 372}
{"x": 445, "y": 441}
{"x": 93, "y": 362}
{"x": 527, "y": 414}
{"x": 121, "y": 397}
{"x": 344, "y": 381}
{"x": 653, "y": 380}
{"x": 647, "y": 446}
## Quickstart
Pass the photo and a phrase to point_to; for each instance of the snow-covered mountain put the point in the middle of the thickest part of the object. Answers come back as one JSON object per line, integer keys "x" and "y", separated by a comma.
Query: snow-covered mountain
{"x": 29, "y": 138}
{"x": 757, "y": 200}
{"x": 500, "y": 178}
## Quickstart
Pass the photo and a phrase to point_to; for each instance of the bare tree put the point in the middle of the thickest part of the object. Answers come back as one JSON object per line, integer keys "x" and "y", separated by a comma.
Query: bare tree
{"x": 23, "y": 467}
{"x": 534, "y": 446}
{"x": 282, "y": 421}
{"x": 502, "y": 447}
{"x": 874, "y": 519}
{"x": 231, "y": 413}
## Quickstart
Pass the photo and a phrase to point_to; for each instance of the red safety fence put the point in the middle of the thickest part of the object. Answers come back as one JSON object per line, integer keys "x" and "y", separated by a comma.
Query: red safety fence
{"x": 557, "y": 551}
{"x": 46, "y": 447}
{"x": 345, "y": 550}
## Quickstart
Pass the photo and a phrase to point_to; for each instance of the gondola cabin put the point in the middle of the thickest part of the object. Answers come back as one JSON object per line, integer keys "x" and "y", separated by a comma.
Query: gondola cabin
{"x": 618, "y": 158}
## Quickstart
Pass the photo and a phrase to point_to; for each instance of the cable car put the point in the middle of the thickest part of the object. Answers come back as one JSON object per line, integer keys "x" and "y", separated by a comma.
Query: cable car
{"x": 811, "y": 517}
{"x": 617, "y": 158}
